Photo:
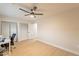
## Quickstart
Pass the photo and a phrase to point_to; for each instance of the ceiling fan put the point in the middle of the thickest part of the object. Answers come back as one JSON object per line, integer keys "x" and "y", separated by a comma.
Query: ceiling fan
{"x": 32, "y": 12}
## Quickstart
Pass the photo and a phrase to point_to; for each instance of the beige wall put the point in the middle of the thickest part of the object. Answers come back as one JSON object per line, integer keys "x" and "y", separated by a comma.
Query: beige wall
{"x": 61, "y": 30}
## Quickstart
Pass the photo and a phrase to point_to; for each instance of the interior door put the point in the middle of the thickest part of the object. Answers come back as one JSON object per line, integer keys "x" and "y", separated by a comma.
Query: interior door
{"x": 23, "y": 31}
{"x": 32, "y": 30}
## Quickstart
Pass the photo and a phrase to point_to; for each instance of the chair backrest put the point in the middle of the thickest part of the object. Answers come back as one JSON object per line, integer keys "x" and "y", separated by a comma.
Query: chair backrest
{"x": 13, "y": 35}
{"x": 12, "y": 38}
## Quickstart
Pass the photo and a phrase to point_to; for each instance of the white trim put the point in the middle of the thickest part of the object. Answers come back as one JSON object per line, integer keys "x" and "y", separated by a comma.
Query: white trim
{"x": 74, "y": 52}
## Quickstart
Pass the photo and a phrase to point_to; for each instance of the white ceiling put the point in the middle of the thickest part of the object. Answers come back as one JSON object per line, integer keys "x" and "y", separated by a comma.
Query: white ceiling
{"x": 12, "y": 9}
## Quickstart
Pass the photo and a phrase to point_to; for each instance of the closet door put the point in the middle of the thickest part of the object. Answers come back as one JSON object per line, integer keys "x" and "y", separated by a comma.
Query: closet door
{"x": 13, "y": 29}
{"x": 5, "y": 29}
{"x": 23, "y": 31}
{"x": 32, "y": 30}
{"x": 8, "y": 28}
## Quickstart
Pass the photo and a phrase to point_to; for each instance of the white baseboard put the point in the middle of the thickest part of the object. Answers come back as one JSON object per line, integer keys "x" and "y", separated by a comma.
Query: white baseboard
{"x": 76, "y": 53}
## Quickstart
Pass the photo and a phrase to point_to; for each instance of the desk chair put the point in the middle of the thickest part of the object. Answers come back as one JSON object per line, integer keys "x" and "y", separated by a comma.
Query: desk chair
{"x": 12, "y": 40}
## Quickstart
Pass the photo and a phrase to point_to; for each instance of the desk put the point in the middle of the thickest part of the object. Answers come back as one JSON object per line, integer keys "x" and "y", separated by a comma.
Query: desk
{"x": 6, "y": 41}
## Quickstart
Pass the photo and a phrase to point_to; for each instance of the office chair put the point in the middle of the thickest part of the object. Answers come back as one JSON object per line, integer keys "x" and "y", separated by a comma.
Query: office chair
{"x": 12, "y": 40}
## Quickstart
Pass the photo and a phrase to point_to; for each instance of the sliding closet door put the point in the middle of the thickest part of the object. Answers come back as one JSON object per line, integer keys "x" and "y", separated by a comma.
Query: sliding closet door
{"x": 8, "y": 28}
{"x": 5, "y": 29}
{"x": 23, "y": 31}
{"x": 13, "y": 29}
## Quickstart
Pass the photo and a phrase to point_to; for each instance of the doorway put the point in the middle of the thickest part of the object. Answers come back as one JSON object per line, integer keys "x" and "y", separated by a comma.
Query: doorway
{"x": 32, "y": 30}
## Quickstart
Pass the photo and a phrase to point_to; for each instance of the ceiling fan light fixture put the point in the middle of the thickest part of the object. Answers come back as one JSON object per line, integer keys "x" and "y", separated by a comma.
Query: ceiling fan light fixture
{"x": 32, "y": 12}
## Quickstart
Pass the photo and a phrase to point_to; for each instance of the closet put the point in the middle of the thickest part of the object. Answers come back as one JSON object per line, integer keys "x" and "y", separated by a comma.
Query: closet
{"x": 8, "y": 28}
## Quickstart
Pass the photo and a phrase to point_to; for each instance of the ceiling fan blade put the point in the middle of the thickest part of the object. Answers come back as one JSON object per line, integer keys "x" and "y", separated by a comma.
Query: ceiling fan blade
{"x": 23, "y": 10}
{"x": 27, "y": 14}
{"x": 38, "y": 13}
